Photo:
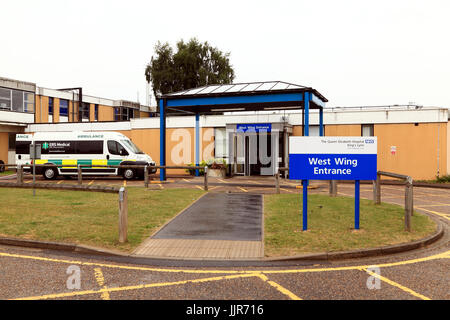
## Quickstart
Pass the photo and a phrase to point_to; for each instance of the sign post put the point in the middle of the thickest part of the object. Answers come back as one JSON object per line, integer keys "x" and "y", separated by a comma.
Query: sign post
{"x": 35, "y": 153}
{"x": 332, "y": 158}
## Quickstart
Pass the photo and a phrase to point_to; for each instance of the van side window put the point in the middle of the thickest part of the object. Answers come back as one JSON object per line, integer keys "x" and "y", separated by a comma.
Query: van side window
{"x": 122, "y": 151}
{"x": 112, "y": 147}
{"x": 116, "y": 148}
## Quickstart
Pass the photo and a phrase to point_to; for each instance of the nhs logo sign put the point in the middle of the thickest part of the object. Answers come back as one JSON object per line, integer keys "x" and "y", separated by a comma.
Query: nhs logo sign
{"x": 333, "y": 158}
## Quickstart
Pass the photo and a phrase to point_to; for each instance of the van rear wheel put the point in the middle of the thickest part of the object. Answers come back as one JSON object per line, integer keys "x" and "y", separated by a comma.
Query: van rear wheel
{"x": 50, "y": 173}
{"x": 128, "y": 174}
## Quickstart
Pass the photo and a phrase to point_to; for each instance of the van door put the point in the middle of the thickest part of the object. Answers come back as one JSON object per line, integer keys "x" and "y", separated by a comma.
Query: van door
{"x": 116, "y": 153}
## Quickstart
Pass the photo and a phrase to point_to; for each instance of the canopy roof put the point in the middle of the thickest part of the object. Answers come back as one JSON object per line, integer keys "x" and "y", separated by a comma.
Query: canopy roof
{"x": 248, "y": 96}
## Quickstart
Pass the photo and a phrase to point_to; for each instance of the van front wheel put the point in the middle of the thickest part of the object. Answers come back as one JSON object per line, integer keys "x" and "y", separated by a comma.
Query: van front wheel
{"x": 50, "y": 173}
{"x": 129, "y": 174}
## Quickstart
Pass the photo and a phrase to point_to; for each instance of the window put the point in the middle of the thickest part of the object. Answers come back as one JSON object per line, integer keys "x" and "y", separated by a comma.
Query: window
{"x": 117, "y": 114}
{"x": 58, "y": 147}
{"x": 90, "y": 147}
{"x": 12, "y": 141}
{"x": 23, "y": 147}
{"x": 116, "y": 148}
{"x": 63, "y": 107}
{"x": 96, "y": 112}
{"x": 314, "y": 131}
{"x": 131, "y": 146}
{"x": 17, "y": 101}
{"x": 83, "y": 112}
{"x": 28, "y": 102}
{"x": 220, "y": 143}
{"x": 367, "y": 130}
{"x": 50, "y": 105}
{"x": 5, "y": 99}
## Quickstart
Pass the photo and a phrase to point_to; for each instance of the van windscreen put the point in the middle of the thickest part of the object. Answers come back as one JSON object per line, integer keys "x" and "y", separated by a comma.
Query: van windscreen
{"x": 130, "y": 145}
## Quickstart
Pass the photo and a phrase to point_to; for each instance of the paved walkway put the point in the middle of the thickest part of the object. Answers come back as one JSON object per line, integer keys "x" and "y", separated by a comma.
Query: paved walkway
{"x": 218, "y": 225}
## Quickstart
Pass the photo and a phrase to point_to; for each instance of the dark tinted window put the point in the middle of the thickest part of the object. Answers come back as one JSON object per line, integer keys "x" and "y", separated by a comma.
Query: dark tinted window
{"x": 57, "y": 147}
{"x": 112, "y": 147}
{"x": 116, "y": 148}
{"x": 23, "y": 147}
{"x": 122, "y": 151}
{"x": 90, "y": 147}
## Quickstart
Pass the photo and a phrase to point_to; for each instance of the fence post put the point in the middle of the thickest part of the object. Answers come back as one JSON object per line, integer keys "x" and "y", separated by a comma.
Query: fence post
{"x": 277, "y": 181}
{"x": 123, "y": 215}
{"x": 80, "y": 179}
{"x": 333, "y": 188}
{"x": 377, "y": 189}
{"x": 146, "y": 176}
{"x": 408, "y": 203}
{"x": 206, "y": 179}
{"x": 19, "y": 174}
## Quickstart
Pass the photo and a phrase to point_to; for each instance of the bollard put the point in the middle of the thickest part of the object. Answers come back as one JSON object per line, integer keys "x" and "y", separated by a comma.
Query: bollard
{"x": 206, "y": 179}
{"x": 277, "y": 182}
{"x": 80, "y": 179}
{"x": 333, "y": 188}
{"x": 123, "y": 215}
{"x": 19, "y": 174}
{"x": 409, "y": 206}
{"x": 146, "y": 176}
{"x": 377, "y": 190}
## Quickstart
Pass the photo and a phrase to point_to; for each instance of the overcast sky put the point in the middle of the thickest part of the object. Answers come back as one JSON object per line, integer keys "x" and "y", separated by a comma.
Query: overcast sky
{"x": 354, "y": 52}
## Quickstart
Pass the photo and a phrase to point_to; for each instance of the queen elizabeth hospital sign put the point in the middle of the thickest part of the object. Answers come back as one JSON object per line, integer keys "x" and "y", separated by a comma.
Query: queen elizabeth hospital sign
{"x": 333, "y": 158}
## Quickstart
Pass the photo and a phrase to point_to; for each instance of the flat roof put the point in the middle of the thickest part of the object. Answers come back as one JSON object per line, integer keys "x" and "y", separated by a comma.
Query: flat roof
{"x": 247, "y": 88}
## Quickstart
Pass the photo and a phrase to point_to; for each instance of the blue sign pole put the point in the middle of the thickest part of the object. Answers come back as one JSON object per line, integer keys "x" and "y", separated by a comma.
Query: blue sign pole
{"x": 357, "y": 204}
{"x": 305, "y": 205}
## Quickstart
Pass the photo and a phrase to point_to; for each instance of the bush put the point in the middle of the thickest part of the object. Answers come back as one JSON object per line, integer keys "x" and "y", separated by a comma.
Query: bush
{"x": 443, "y": 179}
{"x": 211, "y": 163}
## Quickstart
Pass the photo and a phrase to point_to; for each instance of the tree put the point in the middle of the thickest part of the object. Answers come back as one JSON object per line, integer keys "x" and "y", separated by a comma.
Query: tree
{"x": 194, "y": 64}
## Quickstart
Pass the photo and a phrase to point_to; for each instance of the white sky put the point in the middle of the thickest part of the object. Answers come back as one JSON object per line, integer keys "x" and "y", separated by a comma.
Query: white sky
{"x": 354, "y": 52}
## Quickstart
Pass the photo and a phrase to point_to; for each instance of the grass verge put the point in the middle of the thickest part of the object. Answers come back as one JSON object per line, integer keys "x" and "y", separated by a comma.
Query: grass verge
{"x": 331, "y": 223}
{"x": 6, "y": 173}
{"x": 89, "y": 218}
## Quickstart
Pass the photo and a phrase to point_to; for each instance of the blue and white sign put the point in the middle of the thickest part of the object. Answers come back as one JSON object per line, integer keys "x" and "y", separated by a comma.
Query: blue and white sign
{"x": 254, "y": 127}
{"x": 333, "y": 158}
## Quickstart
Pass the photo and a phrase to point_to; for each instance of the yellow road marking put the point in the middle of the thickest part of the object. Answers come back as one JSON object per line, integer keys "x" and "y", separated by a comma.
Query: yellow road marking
{"x": 222, "y": 180}
{"x": 124, "y": 183}
{"x": 243, "y": 189}
{"x": 127, "y": 288}
{"x": 287, "y": 190}
{"x": 161, "y": 186}
{"x": 60, "y": 181}
{"x": 395, "y": 284}
{"x": 434, "y": 212}
{"x": 92, "y": 181}
{"x": 444, "y": 255}
{"x": 186, "y": 180}
{"x": 101, "y": 282}
{"x": 280, "y": 288}
{"x": 199, "y": 187}
{"x": 434, "y": 205}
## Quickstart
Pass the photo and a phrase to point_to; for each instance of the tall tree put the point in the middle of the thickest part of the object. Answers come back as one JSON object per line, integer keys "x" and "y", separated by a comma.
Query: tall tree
{"x": 194, "y": 64}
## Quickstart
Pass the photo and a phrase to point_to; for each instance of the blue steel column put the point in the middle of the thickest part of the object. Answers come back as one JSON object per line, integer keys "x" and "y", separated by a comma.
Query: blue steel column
{"x": 306, "y": 108}
{"x": 357, "y": 204}
{"x": 305, "y": 182}
{"x": 197, "y": 143}
{"x": 321, "y": 122}
{"x": 162, "y": 139}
